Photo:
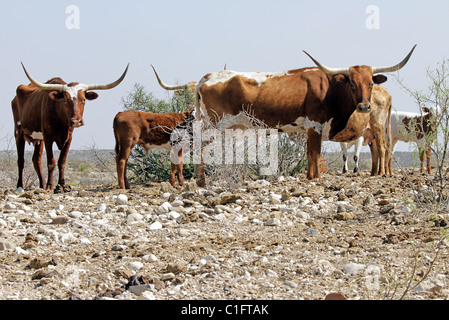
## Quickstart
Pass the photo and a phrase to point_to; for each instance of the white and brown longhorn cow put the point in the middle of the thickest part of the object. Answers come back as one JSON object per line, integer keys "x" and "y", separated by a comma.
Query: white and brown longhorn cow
{"x": 324, "y": 103}
{"x": 417, "y": 128}
{"x": 47, "y": 113}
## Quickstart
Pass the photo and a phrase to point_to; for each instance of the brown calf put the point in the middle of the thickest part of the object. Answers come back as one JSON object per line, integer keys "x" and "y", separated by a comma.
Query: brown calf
{"x": 150, "y": 131}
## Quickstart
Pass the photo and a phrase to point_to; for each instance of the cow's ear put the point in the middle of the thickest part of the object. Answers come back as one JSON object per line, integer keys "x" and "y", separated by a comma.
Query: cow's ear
{"x": 341, "y": 78}
{"x": 91, "y": 95}
{"x": 55, "y": 95}
{"x": 379, "y": 78}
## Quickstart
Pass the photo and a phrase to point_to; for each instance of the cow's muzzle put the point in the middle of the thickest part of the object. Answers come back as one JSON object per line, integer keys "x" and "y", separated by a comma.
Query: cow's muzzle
{"x": 364, "y": 108}
{"x": 76, "y": 123}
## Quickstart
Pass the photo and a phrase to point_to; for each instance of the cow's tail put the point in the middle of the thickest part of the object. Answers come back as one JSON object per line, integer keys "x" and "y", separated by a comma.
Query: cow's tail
{"x": 389, "y": 139}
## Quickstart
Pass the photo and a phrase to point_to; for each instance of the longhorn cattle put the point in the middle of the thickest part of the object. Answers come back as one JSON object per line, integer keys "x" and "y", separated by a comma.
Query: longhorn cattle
{"x": 377, "y": 134}
{"x": 324, "y": 103}
{"x": 150, "y": 131}
{"x": 415, "y": 127}
{"x": 47, "y": 113}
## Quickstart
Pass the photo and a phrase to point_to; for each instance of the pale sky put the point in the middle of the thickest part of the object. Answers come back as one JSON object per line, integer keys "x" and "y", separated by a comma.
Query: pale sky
{"x": 185, "y": 40}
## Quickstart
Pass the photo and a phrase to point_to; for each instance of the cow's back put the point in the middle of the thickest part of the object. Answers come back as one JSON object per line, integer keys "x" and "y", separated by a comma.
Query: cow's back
{"x": 275, "y": 98}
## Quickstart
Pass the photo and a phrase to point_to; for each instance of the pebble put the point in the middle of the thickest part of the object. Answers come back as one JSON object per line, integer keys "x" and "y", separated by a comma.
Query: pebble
{"x": 353, "y": 269}
{"x": 135, "y": 265}
{"x": 163, "y": 208}
{"x": 134, "y": 217}
{"x": 291, "y": 284}
{"x": 76, "y": 214}
{"x": 270, "y": 273}
{"x": 155, "y": 226}
{"x": 60, "y": 220}
{"x": 122, "y": 199}
{"x": 5, "y": 245}
{"x": 273, "y": 222}
{"x": 149, "y": 258}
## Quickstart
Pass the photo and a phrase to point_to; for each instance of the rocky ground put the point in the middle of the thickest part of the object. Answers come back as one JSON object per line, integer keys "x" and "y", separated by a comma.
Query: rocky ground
{"x": 290, "y": 239}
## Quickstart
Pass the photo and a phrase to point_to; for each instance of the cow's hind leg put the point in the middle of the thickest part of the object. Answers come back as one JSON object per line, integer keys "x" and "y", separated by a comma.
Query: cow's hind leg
{"x": 313, "y": 154}
{"x": 121, "y": 159}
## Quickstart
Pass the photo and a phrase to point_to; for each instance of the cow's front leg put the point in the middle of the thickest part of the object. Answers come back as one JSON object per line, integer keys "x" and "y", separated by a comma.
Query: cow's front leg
{"x": 61, "y": 167}
{"x": 51, "y": 164}
{"x": 20, "y": 143}
{"x": 37, "y": 162}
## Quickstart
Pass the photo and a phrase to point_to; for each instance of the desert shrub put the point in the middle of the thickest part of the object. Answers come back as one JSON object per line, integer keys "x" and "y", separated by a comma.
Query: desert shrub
{"x": 436, "y": 95}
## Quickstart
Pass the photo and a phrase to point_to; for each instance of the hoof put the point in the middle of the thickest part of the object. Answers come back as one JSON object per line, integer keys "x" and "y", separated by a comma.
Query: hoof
{"x": 61, "y": 189}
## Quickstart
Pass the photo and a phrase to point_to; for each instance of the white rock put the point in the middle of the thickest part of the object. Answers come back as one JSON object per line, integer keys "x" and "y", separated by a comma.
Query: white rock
{"x": 155, "y": 226}
{"x": 102, "y": 206}
{"x": 146, "y": 295}
{"x": 19, "y": 250}
{"x": 166, "y": 195}
{"x": 122, "y": 199}
{"x": 3, "y": 223}
{"x": 134, "y": 217}
{"x": 18, "y": 190}
{"x": 353, "y": 268}
{"x": 25, "y": 208}
{"x": 75, "y": 214}
{"x": 270, "y": 273}
{"x": 100, "y": 222}
{"x": 177, "y": 203}
{"x": 52, "y": 214}
{"x": 10, "y": 206}
{"x": 167, "y": 276}
{"x": 209, "y": 257}
{"x": 85, "y": 241}
{"x": 59, "y": 207}
{"x": 303, "y": 216}
{"x": 273, "y": 222}
{"x": 289, "y": 283}
{"x": 220, "y": 217}
{"x": 173, "y": 215}
{"x": 135, "y": 265}
{"x": 163, "y": 208}
{"x": 149, "y": 258}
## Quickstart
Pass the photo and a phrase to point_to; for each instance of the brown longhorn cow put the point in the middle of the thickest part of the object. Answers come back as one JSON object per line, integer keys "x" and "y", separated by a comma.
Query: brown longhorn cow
{"x": 151, "y": 131}
{"x": 47, "y": 113}
{"x": 324, "y": 103}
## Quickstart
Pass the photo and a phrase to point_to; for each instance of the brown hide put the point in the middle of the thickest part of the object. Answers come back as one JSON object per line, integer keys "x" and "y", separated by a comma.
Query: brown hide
{"x": 43, "y": 118}
{"x": 149, "y": 130}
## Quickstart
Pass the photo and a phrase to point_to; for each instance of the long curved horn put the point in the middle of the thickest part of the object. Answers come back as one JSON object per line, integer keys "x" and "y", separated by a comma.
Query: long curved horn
{"x": 396, "y": 67}
{"x": 166, "y": 86}
{"x": 107, "y": 86}
{"x": 43, "y": 86}
{"x": 327, "y": 69}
